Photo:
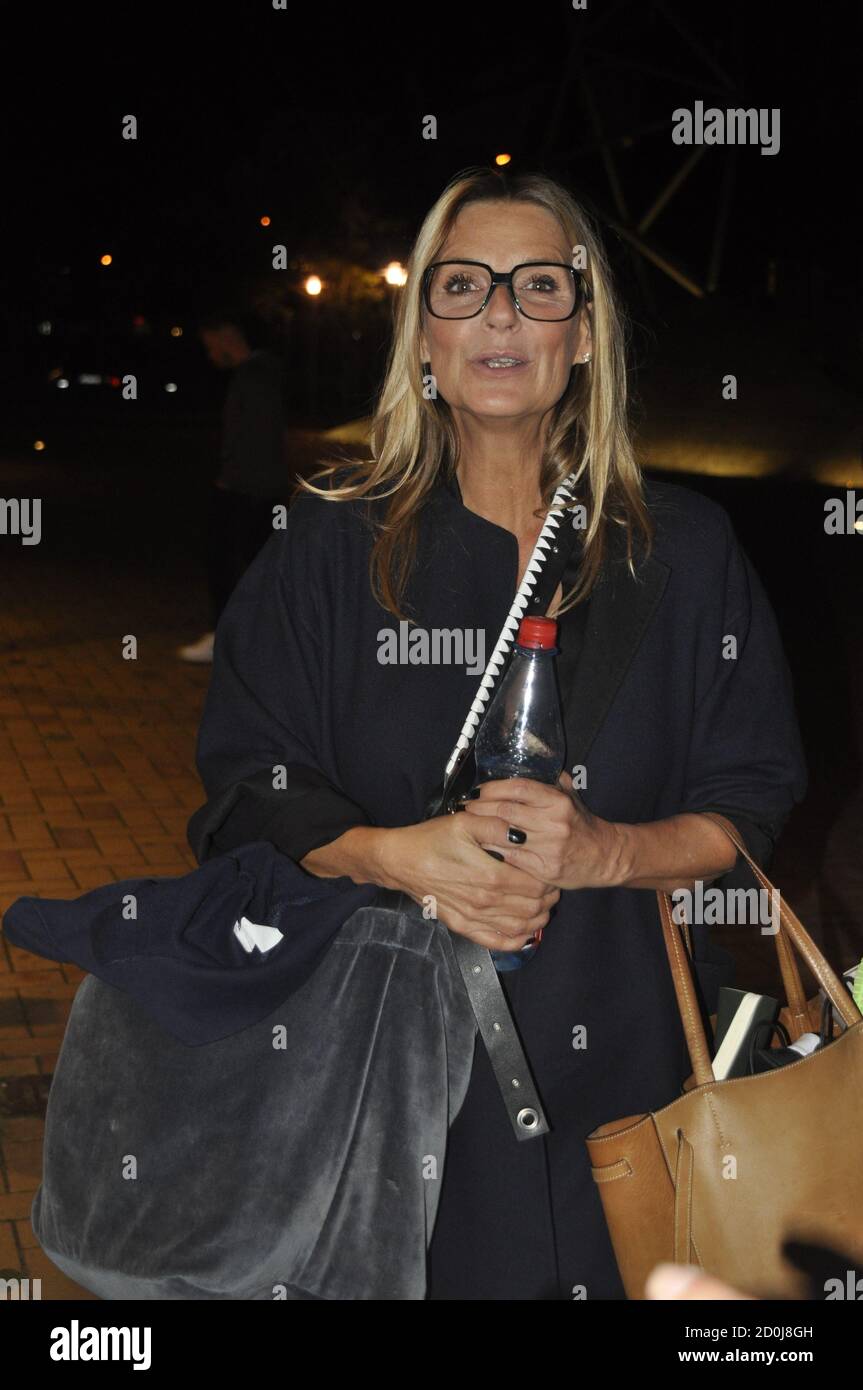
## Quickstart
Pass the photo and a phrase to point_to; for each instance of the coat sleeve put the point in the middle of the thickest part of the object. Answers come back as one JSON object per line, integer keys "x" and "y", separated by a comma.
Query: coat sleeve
{"x": 746, "y": 759}
{"x": 258, "y": 743}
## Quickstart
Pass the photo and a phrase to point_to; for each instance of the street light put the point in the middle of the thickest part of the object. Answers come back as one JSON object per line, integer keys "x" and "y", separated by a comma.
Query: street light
{"x": 313, "y": 285}
{"x": 395, "y": 274}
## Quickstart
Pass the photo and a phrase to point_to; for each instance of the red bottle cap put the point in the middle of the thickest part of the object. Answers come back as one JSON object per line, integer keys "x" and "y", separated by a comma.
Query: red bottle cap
{"x": 537, "y": 632}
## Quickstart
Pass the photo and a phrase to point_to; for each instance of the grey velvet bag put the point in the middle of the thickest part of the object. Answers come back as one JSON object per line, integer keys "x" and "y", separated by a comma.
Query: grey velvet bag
{"x": 299, "y": 1159}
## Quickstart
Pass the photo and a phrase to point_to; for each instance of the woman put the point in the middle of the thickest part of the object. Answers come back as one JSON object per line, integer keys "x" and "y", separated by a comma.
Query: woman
{"x": 312, "y": 740}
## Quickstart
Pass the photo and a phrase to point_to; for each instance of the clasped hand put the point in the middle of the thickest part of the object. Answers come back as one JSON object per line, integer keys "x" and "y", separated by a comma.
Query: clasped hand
{"x": 502, "y": 905}
{"x": 564, "y": 843}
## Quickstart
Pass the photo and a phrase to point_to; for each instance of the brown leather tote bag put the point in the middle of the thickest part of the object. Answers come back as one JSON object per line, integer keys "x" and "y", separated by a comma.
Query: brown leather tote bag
{"x": 723, "y": 1175}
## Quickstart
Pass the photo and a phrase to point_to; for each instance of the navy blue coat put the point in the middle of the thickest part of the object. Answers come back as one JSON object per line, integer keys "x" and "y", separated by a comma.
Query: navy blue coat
{"x": 661, "y": 721}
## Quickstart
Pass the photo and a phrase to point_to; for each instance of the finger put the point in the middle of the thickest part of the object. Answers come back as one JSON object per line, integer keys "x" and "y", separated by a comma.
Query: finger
{"x": 526, "y": 860}
{"x": 526, "y": 849}
{"x": 527, "y": 884}
{"x": 509, "y": 919}
{"x": 488, "y": 907}
{"x": 524, "y": 790}
{"x": 522, "y": 815}
{"x": 514, "y": 903}
{"x": 548, "y": 831}
{"x": 494, "y": 942}
{"x": 511, "y": 944}
{"x": 503, "y": 936}
{"x": 499, "y": 876}
{"x": 498, "y": 930}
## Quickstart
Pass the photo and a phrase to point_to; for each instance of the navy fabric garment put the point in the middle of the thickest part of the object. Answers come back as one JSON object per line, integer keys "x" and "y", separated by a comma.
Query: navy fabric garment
{"x": 179, "y": 956}
{"x": 662, "y": 720}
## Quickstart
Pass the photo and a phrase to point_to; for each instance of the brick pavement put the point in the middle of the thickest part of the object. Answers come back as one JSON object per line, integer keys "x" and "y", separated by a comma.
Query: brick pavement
{"x": 97, "y": 783}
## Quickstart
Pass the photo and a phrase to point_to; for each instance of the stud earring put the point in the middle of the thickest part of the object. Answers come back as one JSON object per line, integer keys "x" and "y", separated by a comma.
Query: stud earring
{"x": 587, "y": 357}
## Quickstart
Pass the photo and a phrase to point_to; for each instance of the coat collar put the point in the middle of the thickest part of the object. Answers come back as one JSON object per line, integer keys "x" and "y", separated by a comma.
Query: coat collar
{"x": 599, "y": 638}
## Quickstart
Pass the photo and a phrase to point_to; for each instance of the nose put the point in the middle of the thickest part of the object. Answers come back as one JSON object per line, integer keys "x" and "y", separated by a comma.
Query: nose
{"x": 501, "y": 306}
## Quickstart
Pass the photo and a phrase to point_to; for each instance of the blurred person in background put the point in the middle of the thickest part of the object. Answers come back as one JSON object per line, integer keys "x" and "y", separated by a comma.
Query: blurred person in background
{"x": 252, "y": 476}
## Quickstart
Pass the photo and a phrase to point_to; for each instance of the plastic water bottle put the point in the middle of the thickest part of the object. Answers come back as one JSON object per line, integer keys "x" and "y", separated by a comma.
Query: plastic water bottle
{"x": 522, "y": 732}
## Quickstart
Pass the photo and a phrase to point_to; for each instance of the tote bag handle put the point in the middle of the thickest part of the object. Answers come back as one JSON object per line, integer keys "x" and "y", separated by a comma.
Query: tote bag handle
{"x": 791, "y": 933}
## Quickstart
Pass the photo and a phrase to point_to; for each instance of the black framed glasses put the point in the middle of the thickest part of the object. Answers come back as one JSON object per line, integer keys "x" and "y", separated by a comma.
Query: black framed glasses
{"x": 546, "y": 290}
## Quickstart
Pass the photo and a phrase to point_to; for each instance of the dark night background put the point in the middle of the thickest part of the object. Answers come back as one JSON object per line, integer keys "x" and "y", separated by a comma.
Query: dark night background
{"x": 313, "y": 116}
{"x": 314, "y": 119}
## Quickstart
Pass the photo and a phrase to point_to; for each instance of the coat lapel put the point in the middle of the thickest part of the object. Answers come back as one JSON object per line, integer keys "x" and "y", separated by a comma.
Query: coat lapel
{"x": 599, "y": 638}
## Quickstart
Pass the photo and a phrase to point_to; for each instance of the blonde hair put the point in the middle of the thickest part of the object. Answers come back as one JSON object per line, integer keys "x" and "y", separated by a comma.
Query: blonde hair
{"x": 412, "y": 438}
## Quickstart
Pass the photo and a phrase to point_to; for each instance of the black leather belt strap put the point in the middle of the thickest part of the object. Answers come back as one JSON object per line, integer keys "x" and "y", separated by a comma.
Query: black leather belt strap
{"x": 494, "y": 1020}
{"x": 497, "y": 1030}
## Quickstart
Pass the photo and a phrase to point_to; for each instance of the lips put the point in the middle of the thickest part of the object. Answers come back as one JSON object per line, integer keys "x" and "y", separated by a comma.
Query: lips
{"x": 504, "y": 364}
